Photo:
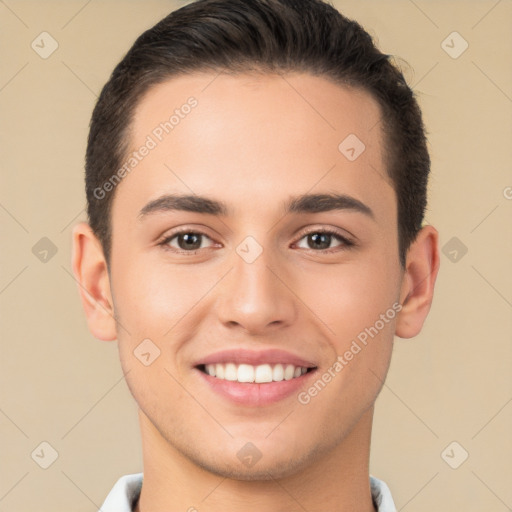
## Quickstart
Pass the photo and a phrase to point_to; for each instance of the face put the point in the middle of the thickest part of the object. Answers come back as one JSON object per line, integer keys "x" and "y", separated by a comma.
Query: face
{"x": 255, "y": 239}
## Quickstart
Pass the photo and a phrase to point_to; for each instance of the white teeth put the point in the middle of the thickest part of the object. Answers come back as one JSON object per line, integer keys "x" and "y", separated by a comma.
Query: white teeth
{"x": 278, "y": 372}
{"x": 289, "y": 372}
{"x": 230, "y": 372}
{"x": 263, "y": 373}
{"x": 245, "y": 373}
{"x": 258, "y": 374}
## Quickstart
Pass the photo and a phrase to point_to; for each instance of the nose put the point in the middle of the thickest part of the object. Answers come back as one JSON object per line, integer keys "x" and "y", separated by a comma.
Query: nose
{"x": 256, "y": 297}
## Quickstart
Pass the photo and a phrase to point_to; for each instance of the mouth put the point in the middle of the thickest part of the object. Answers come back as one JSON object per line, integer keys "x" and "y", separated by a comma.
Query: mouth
{"x": 260, "y": 374}
{"x": 255, "y": 378}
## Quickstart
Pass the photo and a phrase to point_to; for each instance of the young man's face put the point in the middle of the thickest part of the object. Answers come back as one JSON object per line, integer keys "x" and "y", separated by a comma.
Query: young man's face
{"x": 257, "y": 283}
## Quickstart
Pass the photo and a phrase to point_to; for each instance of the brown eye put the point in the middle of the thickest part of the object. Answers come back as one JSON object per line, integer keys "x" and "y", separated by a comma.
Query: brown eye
{"x": 322, "y": 240}
{"x": 319, "y": 240}
{"x": 186, "y": 241}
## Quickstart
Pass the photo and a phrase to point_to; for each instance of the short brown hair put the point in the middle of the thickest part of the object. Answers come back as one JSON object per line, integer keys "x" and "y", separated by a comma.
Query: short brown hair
{"x": 271, "y": 36}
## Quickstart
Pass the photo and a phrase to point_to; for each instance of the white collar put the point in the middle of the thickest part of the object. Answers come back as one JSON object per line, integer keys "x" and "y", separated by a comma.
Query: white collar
{"x": 126, "y": 491}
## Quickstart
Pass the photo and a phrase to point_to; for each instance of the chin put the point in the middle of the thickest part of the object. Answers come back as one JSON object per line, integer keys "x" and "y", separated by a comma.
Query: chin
{"x": 259, "y": 472}
{"x": 266, "y": 468}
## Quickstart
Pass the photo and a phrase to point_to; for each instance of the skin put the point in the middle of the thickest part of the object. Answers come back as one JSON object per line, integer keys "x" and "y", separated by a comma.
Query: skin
{"x": 254, "y": 141}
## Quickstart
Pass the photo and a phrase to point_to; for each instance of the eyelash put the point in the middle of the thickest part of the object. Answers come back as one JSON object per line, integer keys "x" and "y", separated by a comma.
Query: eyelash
{"x": 345, "y": 242}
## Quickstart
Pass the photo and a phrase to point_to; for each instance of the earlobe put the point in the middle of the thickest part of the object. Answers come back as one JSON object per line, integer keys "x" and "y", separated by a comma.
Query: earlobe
{"x": 417, "y": 290}
{"x": 91, "y": 272}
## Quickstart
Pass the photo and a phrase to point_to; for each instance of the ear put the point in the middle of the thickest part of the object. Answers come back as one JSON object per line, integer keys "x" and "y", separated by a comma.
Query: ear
{"x": 91, "y": 272}
{"x": 418, "y": 282}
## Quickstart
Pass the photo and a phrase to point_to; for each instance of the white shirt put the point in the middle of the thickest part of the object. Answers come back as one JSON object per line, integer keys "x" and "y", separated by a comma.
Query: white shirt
{"x": 126, "y": 491}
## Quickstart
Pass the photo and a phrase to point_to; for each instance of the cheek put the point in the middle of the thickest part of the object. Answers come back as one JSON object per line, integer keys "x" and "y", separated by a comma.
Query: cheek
{"x": 349, "y": 298}
{"x": 359, "y": 305}
{"x": 152, "y": 306}
{"x": 151, "y": 298}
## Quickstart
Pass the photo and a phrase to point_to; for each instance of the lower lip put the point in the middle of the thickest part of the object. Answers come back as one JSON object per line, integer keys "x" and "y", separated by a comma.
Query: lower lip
{"x": 252, "y": 394}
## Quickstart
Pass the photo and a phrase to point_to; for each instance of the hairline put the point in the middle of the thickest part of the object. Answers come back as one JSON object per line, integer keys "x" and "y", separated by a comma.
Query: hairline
{"x": 252, "y": 68}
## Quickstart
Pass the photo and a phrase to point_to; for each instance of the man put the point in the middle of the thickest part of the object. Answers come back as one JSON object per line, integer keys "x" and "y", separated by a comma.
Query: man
{"x": 256, "y": 179}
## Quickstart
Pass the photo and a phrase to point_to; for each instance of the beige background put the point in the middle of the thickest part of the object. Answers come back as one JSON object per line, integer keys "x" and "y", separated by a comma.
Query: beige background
{"x": 451, "y": 383}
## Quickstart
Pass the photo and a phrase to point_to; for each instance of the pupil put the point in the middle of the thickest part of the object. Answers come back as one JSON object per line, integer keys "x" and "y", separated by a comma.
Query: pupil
{"x": 322, "y": 240}
{"x": 190, "y": 241}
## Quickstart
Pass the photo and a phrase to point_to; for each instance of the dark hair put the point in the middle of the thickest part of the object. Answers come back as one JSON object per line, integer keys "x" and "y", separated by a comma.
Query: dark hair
{"x": 269, "y": 36}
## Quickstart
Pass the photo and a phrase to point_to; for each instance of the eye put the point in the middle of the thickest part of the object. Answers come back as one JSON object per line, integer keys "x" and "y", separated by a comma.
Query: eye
{"x": 186, "y": 241}
{"x": 321, "y": 239}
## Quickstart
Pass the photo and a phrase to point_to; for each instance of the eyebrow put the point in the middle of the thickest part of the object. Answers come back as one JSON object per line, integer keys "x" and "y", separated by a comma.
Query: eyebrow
{"x": 306, "y": 203}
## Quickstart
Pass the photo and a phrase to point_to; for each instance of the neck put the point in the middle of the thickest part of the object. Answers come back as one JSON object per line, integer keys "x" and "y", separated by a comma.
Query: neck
{"x": 338, "y": 481}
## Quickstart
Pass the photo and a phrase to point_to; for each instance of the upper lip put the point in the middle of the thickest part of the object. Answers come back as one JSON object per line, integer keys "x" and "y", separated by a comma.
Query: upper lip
{"x": 255, "y": 358}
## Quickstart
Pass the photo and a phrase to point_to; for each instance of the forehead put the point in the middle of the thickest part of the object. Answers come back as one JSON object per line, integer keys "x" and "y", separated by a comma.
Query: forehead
{"x": 263, "y": 134}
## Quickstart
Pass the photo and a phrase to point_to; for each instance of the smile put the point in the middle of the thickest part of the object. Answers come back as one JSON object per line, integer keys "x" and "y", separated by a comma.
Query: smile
{"x": 258, "y": 374}
{"x": 255, "y": 378}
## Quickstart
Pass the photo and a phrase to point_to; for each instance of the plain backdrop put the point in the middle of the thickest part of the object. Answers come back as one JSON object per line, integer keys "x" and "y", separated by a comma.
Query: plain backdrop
{"x": 449, "y": 391}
